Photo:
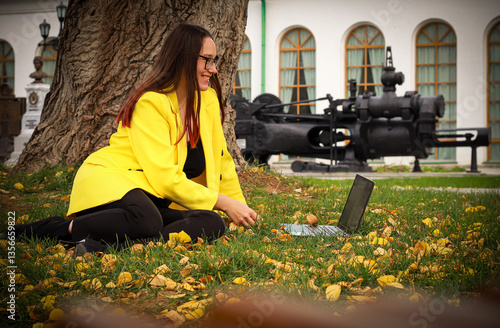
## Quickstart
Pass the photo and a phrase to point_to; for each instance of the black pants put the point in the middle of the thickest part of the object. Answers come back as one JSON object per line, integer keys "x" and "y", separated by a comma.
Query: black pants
{"x": 139, "y": 215}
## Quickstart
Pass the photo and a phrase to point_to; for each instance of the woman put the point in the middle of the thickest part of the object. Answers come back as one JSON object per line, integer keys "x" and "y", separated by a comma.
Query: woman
{"x": 168, "y": 155}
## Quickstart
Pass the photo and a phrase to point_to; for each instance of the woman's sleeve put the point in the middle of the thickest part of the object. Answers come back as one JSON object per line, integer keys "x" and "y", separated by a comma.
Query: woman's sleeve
{"x": 153, "y": 143}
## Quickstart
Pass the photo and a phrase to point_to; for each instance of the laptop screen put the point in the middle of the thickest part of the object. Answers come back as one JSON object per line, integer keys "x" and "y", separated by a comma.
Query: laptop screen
{"x": 356, "y": 204}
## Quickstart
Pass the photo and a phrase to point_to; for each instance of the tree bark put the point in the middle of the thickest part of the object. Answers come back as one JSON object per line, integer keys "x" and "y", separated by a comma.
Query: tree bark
{"x": 105, "y": 49}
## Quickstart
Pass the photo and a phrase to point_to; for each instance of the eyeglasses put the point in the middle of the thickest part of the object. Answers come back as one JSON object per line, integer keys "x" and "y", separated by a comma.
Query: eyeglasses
{"x": 211, "y": 61}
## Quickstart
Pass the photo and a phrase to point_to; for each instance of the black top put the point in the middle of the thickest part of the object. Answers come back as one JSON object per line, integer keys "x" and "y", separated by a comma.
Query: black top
{"x": 195, "y": 161}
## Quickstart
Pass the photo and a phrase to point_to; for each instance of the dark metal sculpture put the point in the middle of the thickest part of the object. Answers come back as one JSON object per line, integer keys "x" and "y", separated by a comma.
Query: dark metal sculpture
{"x": 351, "y": 130}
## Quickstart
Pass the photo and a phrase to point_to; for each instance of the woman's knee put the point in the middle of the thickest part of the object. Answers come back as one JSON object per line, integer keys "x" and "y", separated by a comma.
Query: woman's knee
{"x": 140, "y": 210}
{"x": 211, "y": 223}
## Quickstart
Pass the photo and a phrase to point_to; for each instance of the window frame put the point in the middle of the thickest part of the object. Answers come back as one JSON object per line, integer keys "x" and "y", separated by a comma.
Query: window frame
{"x": 365, "y": 45}
{"x": 436, "y": 43}
{"x": 298, "y": 47}
{"x": 244, "y": 51}
{"x": 4, "y": 59}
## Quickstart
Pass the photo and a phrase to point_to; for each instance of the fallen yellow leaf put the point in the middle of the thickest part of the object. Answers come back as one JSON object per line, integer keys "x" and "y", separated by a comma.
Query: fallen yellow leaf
{"x": 48, "y": 302}
{"x": 56, "y": 314}
{"x": 195, "y": 314}
{"x": 96, "y": 284}
{"x": 123, "y": 278}
{"x": 137, "y": 248}
{"x": 239, "y": 280}
{"x": 158, "y": 281}
{"x": 384, "y": 280}
{"x": 428, "y": 222}
{"x": 333, "y": 292}
{"x": 395, "y": 285}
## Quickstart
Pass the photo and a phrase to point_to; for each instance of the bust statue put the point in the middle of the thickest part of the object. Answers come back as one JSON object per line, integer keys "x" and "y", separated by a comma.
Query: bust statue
{"x": 38, "y": 74}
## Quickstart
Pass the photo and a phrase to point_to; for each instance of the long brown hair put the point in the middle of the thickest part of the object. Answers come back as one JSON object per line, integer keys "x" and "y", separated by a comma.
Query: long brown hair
{"x": 178, "y": 55}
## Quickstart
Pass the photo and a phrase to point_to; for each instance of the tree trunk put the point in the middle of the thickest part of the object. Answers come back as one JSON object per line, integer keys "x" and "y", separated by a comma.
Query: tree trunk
{"x": 106, "y": 48}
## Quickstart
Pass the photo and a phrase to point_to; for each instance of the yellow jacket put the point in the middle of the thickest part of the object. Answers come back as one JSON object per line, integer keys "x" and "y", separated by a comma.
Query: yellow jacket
{"x": 146, "y": 156}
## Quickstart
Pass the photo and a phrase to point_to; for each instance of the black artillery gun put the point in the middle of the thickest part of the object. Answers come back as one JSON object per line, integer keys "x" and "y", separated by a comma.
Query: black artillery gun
{"x": 352, "y": 130}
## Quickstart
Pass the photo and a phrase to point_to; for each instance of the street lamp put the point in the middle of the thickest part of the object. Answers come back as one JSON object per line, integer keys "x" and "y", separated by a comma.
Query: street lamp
{"x": 61, "y": 13}
{"x": 45, "y": 27}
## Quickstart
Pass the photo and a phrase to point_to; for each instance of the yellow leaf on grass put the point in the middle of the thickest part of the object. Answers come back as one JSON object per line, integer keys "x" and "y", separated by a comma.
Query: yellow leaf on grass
{"x": 188, "y": 287}
{"x": 379, "y": 251}
{"x": 161, "y": 269}
{"x": 195, "y": 314}
{"x": 56, "y": 314}
{"x": 96, "y": 284}
{"x": 110, "y": 285}
{"x": 66, "y": 284}
{"x": 48, "y": 302}
{"x": 180, "y": 237}
{"x": 20, "y": 278}
{"x": 123, "y": 278}
{"x": 137, "y": 248}
{"x": 311, "y": 284}
{"x": 159, "y": 281}
{"x": 384, "y": 280}
{"x": 443, "y": 250}
{"x": 18, "y": 186}
{"x": 239, "y": 280}
{"x": 82, "y": 267}
{"x": 428, "y": 222}
{"x": 421, "y": 249}
{"x": 108, "y": 262}
{"x": 333, "y": 292}
{"x": 395, "y": 285}
{"x": 193, "y": 305}
{"x": 347, "y": 247}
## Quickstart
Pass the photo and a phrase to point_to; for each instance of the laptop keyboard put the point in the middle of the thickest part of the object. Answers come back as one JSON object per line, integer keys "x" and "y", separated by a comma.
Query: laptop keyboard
{"x": 326, "y": 230}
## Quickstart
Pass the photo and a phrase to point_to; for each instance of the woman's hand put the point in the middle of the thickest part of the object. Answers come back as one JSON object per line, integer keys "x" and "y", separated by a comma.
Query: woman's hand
{"x": 237, "y": 211}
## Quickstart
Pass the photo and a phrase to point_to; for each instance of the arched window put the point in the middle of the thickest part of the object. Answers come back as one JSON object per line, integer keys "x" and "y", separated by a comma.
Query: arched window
{"x": 6, "y": 63}
{"x": 364, "y": 60}
{"x": 49, "y": 56}
{"x": 494, "y": 91}
{"x": 298, "y": 70}
{"x": 437, "y": 73}
{"x": 243, "y": 83}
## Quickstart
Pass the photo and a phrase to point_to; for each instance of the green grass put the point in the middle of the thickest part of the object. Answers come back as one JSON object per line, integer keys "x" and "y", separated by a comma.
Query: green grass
{"x": 467, "y": 224}
{"x": 422, "y": 182}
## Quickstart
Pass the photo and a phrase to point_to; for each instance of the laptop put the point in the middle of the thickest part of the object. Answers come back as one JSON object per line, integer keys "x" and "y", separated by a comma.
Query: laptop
{"x": 350, "y": 219}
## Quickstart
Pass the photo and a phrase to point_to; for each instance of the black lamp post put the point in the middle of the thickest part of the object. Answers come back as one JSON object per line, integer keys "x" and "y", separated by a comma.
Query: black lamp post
{"x": 61, "y": 13}
{"x": 45, "y": 27}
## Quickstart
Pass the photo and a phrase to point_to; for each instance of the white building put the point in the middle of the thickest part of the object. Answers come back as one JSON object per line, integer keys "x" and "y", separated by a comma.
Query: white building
{"x": 448, "y": 47}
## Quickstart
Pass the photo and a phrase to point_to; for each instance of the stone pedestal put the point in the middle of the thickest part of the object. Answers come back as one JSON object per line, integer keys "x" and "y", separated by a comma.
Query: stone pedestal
{"x": 35, "y": 94}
